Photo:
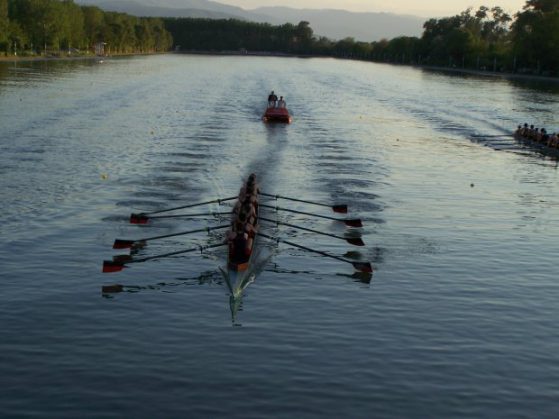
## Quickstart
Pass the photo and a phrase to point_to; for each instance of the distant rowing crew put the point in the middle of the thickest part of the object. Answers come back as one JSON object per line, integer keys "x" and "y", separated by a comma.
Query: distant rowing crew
{"x": 538, "y": 135}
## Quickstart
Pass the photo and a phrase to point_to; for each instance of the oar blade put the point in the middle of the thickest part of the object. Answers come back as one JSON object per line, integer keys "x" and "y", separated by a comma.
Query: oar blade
{"x": 138, "y": 219}
{"x": 123, "y": 244}
{"x": 353, "y": 223}
{"x": 110, "y": 266}
{"x": 362, "y": 266}
{"x": 356, "y": 241}
{"x": 340, "y": 209}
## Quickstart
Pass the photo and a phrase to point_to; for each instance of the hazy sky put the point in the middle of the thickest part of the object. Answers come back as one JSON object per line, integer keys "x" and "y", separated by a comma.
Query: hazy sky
{"x": 428, "y": 8}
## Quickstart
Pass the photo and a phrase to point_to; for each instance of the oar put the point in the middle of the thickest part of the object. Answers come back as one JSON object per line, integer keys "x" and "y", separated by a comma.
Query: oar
{"x": 139, "y": 216}
{"x": 125, "y": 244}
{"x": 356, "y": 241}
{"x": 144, "y": 218}
{"x": 360, "y": 266}
{"x": 351, "y": 223}
{"x": 118, "y": 265}
{"x": 342, "y": 209}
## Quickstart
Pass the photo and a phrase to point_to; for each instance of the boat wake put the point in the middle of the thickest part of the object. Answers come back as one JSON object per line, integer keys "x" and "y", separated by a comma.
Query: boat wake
{"x": 238, "y": 281}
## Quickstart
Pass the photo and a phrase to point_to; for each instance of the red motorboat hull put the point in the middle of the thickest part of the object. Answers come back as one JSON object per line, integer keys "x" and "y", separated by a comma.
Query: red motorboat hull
{"x": 277, "y": 115}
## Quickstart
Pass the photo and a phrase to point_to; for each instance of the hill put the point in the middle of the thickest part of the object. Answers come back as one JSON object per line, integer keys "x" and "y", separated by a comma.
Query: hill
{"x": 331, "y": 23}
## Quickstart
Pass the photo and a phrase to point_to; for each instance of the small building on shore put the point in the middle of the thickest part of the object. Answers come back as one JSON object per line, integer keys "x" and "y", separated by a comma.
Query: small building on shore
{"x": 100, "y": 48}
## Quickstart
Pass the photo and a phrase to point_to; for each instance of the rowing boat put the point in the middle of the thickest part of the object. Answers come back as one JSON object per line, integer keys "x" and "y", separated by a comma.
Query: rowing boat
{"x": 244, "y": 226}
{"x": 273, "y": 114}
{"x": 542, "y": 148}
{"x": 244, "y": 259}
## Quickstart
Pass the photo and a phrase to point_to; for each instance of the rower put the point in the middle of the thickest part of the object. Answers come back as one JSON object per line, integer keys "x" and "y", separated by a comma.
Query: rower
{"x": 544, "y": 136}
{"x": 250, "y": 212}
{"x": 241, "y": 237}
{"x": 537, "y": 135}
{"x": 252, "y": 201}
{"x": 248, "y": 187}
{"x": 531, "y": 132}
{"x": 245, "y": 191}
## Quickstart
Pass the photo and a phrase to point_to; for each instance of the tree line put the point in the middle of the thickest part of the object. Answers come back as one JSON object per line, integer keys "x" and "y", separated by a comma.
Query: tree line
{"x": 486, "y": 38}
{"x": 51, "y": 26}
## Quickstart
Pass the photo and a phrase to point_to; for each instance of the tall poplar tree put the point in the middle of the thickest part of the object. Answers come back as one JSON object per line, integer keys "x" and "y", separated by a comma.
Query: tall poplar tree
{"x": 536, "y": 37}
{"x": 4, "y": 25}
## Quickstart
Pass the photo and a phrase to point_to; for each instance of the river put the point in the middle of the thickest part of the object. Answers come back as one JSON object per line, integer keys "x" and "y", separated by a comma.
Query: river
{"x": 458, "y": 320}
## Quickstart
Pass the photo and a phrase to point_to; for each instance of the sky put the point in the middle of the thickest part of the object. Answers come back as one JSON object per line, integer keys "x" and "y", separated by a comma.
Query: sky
{"x": 424, "y": 8}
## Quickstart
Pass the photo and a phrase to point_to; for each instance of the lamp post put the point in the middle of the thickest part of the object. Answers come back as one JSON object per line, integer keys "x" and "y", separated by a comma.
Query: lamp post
{"x": 45, "y": 37}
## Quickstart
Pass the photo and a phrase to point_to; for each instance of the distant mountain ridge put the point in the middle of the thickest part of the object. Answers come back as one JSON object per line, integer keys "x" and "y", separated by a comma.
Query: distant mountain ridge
{"x": 339, "y": 24}
{"x": 331, "y": 23}
{"x": 145, "y": 8}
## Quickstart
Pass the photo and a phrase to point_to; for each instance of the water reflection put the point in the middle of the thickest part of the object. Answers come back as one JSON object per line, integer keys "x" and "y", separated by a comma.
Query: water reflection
{"x": 531, "y": 83}
{"x": 205, "y": 278}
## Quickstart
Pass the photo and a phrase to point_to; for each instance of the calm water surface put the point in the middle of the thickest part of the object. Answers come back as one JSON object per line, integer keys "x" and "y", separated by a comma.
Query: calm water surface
{"x": 459, "y": 319}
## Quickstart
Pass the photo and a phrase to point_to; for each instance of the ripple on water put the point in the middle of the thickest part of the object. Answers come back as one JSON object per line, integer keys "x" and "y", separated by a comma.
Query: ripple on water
{"x": 457, "y": 320}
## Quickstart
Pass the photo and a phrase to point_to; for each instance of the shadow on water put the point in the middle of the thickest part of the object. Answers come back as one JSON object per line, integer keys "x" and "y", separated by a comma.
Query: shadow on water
{"x": 238, "y": 282}
{"x": 205, "y": 278}
{"x": 362, "y": 277}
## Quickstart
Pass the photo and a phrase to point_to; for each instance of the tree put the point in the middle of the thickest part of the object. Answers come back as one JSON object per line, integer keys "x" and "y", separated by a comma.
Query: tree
{"x": 535, "y": 37}
{"x": 4, "y": 25}
{"x": 93, "y": 24}
{"x": 544, "y": 6}
{"x": 304, "y": 36}
{"x": 73, "y": 34}
{"x": 17, "y": 35}
{"x": 483, "y": 34}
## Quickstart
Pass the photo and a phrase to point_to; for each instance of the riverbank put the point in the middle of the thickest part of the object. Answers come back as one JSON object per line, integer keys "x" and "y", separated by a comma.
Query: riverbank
{"x": 528, "y": 77}
{"x": 18, "y": 59}
{"x": 516, "y": 76}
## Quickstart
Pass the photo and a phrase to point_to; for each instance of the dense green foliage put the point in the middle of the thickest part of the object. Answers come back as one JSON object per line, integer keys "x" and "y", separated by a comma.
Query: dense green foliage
{"x": 235, "y": 35}
{"x": 486, "y": 38}
{"x": 535, "y": 35}
{"x": 49, "y": 26}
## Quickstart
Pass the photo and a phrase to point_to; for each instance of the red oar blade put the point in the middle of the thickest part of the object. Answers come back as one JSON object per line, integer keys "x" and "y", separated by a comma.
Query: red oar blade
{"x": 128, "y": 244}
{"x": 123, "y": 244}
{"x": 353, "y": 223}
{"x": 356, "y": 241}
{"x": 138, "y": 219}
{"x": 341, "y": 209}
{"x": 362, "y": 266}
{"x": 112, "y": 266}
{"x": 112, "y": 289}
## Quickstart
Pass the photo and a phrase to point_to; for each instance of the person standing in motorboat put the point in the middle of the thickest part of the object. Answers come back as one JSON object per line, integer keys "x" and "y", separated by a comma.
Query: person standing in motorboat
{"x": 272, "y": 99}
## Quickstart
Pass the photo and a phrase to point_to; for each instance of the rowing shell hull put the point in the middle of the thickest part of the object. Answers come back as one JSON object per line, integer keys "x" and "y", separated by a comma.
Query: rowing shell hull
{"x": 542, "y": 148}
